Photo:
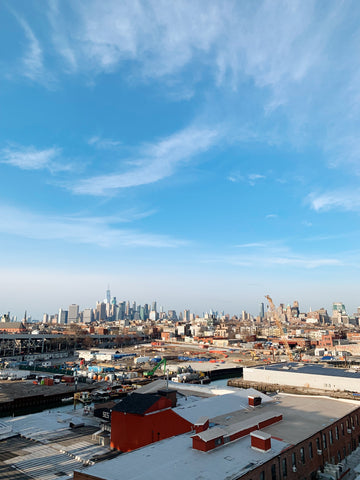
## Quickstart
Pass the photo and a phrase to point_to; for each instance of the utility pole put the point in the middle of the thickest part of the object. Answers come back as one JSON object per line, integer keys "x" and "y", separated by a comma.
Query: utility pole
{"x": 76, "y": 382}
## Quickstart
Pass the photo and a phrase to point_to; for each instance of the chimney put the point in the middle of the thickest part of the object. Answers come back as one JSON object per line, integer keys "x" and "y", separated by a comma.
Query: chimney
{"x": 254, "y": 401}
{"x": 170, "y": 394}
{"x": 260, "y": 441}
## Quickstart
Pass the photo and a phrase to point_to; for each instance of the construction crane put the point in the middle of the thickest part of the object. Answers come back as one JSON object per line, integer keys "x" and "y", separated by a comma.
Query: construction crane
{"x": 150, "y": 373}
{"x": 280, "y": 327}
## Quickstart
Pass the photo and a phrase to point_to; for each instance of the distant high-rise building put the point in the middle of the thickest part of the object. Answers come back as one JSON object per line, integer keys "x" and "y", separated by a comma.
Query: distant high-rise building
{"x": 153, "y": 315}
{"x": 73, "y": 313}
{"x": 45, "y": 318}
{"x": 172, "y": 315}
{"x": 339, "y": 307}
{"x": 88, "y": 315}
{"x": 186, "y": 316}
{"x": 127, "y": 308}
{"x": 121, "y": 313}
{"x": 101, "y": 311}
{"x": 262, "y": 311}
{"x": 113, "y": 301}
{"x": 153, "y": 307}
{"x": 63, "y": 316}
{"x": 108, "y": 295}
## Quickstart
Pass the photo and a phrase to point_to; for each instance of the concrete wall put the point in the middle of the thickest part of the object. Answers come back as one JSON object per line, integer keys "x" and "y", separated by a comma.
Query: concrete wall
{"x": 295, "y": 379}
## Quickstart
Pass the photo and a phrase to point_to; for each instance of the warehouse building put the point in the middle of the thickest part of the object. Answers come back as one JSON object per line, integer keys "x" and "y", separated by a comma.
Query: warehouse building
{"x": 245, "y": 435}
{"x": 321, "y": 377}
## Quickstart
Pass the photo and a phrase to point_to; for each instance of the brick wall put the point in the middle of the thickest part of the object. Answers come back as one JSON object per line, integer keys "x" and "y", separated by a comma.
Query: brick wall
{"x": 334, "y": 442}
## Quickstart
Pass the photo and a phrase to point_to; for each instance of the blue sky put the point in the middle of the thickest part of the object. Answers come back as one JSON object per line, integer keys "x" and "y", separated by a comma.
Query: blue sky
{"x": 200, "y": 154}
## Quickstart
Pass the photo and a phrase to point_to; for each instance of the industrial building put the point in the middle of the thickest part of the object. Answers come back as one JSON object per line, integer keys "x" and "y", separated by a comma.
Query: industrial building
{"x": 240, "y": 434}
{"x": 321, "y": 377}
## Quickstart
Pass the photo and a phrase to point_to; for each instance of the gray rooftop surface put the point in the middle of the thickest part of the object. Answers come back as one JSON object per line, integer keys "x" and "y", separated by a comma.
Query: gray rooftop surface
{"x": 311, "y": 369}
{"x": 303, "y": 416}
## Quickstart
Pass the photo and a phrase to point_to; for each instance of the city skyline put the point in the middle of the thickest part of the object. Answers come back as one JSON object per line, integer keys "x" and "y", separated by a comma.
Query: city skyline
{"x": 201, "y": 156}
{"x": 262, "y": 306}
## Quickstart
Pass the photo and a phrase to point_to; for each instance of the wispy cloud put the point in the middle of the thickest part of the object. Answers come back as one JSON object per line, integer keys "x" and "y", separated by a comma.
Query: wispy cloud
{"x": 338, "y": 200}
{"x": 32, "y": 64}
{"x": 31, "y": 158}
{"x": 253, "y": 245}
{"x": 274, "y": 258}
{"x": 250, "y": 178}
{"x": 229, "y": 42}
{"x": 154, "y": 161}
{"x": 101, "y": 231}
{"x": 104, "y": 143}
{"x": 271, "y": 215}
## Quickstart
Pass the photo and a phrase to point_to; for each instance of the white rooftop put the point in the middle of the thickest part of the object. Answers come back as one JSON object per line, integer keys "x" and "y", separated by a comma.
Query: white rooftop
{"x": 175, "y": 457}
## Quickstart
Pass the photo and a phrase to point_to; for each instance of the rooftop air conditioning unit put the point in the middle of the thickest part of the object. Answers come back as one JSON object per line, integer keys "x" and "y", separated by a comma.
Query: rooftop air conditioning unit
{"x": 319, "y": 452}
{"x": 294, "y": 469}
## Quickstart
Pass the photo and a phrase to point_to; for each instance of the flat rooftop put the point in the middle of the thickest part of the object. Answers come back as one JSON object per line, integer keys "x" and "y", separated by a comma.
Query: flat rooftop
{"x": 310, "y": 369}
{"x": 42, "y": 446}
{"x": 302, "y": 417}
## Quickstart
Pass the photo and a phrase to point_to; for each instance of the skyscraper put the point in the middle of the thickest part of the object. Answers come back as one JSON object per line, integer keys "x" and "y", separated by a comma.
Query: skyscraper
{"x": 73, "y": 313}
{"x": 101, "y": 311}
{"x": 108, "y": 295}
{"x": 262, "y": 311}
{"x": 63, "y": 316}
{"x": 88, "y": 315}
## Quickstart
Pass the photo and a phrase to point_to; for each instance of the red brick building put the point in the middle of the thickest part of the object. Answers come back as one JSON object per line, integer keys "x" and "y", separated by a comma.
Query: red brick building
{"x": 288, "y": 438}
{"x": 141, "y": 419}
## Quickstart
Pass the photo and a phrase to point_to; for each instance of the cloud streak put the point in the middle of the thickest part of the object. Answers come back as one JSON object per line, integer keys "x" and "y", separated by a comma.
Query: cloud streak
{"x": 273, "y": 259}
{"x": 154, "y": 162}
{"x": 31, "y": 158}
{"x": 335, "y": 200}
{"x": 100, "y": 231}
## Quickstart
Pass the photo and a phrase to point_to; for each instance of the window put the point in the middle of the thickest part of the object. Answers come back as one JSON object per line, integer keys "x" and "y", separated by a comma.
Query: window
{"x": 273, "y": 471}
{"x": 318, "y": 444}
{"x": 262, "y": 475}
{"x": 337, "y": 432}
{"x": 324, "y": 441}
{"x": 302, "y": 455}
{"x": 330, "y": 437}
{"x": 284, "y": 467}
{"x": 339, "y": 456}
{"x": 310, "y": 450}
{"x": 342, "y": 428}
{"x": 293, "y": 459}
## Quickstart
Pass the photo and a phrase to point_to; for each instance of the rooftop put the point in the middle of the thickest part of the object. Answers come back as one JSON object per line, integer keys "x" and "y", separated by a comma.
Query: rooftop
{"x": 312, "y": 369}
{"x": 302, "y": 417}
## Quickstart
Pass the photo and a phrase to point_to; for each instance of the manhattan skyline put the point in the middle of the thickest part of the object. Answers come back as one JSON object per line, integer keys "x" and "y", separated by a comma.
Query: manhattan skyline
{"x": 203, "y": 156}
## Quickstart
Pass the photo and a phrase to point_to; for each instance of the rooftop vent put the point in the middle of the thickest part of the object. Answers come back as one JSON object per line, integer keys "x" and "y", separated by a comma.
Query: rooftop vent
{"x": 260, "y": 441}
{"x": 254, "y": 401}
